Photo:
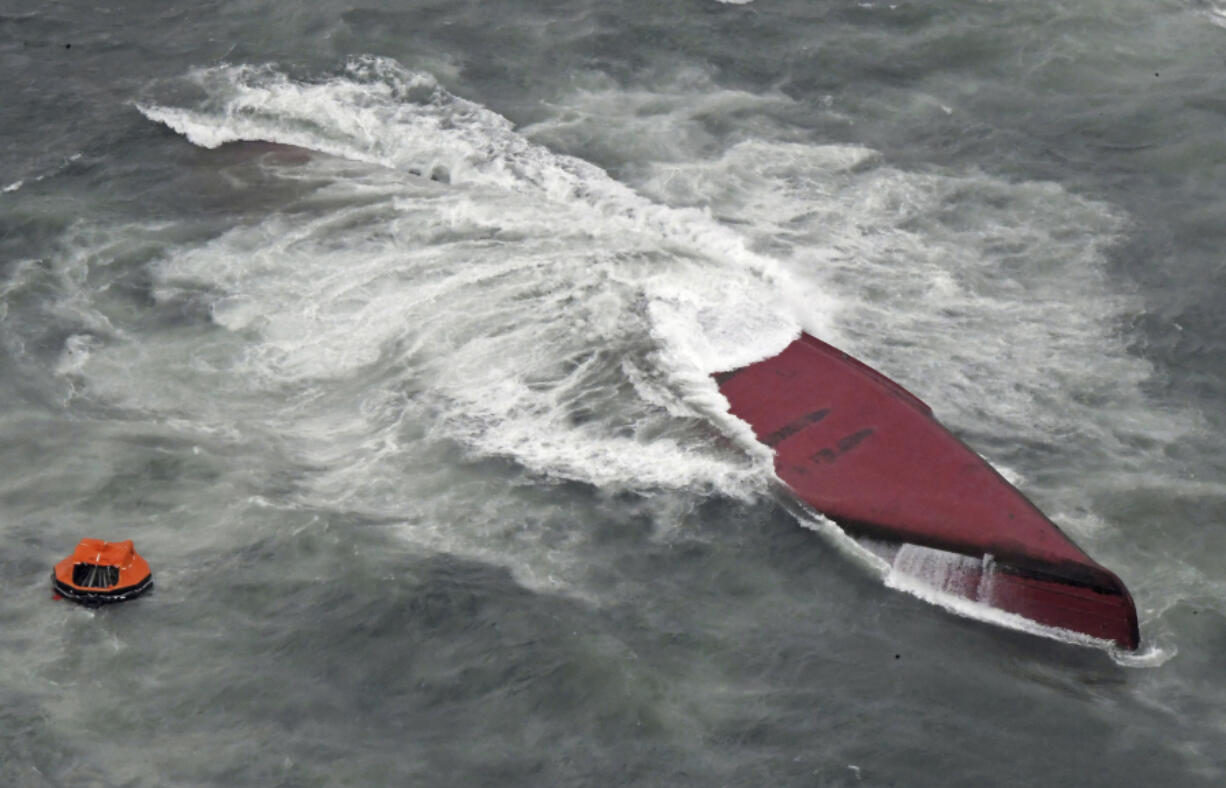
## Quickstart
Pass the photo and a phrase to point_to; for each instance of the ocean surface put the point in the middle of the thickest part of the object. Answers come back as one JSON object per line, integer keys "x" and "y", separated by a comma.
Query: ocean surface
{"x": 385, "y": 329}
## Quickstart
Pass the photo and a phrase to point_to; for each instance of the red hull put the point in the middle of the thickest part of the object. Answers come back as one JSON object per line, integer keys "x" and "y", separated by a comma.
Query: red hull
{"x": 866, "y": 453}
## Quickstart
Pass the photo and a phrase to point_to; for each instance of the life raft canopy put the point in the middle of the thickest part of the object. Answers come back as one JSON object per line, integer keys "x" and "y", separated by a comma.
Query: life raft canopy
{"x": 99, "y": 572}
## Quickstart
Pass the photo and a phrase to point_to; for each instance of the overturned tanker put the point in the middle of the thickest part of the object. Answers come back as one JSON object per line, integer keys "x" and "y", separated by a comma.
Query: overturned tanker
{"x": 861, "y": 450}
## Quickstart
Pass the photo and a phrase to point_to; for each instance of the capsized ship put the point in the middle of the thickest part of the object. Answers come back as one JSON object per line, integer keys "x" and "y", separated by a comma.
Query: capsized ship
{"x": 860, "y": 449}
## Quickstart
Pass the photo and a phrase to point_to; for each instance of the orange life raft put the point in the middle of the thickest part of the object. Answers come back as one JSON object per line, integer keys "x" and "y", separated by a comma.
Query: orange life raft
{"x": 98, "y": 572}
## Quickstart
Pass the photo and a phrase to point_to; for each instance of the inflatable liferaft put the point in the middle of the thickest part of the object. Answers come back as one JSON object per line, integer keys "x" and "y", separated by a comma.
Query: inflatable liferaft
{"x": 99, "y": 572}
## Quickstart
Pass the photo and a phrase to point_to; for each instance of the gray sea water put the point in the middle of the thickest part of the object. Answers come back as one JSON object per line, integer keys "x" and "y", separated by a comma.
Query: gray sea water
{"x": 384, "y": 329}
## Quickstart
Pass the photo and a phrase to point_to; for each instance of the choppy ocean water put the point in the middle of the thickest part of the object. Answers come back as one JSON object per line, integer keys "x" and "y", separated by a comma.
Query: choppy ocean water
{"x": 385, "y": 331}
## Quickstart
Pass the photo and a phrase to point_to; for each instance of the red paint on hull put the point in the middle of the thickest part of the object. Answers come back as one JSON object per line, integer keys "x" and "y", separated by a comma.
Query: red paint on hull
{"x": 865, "y": 452}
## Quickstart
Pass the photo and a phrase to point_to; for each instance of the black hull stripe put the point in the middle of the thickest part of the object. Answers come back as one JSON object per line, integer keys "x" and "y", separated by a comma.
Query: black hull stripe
{"x": 100, "y": 597}
{"x": 793, "y": 427}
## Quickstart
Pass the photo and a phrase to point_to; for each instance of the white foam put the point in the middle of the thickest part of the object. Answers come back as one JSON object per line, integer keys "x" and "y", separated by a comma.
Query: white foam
{"x": 1151, "y": 656}
{"x": 19, "y": 184}
{"x": 77, "y": 349}
{"x": 1216, "y": 14}
{"x": 670, "y": 122}
{"x": 379, "y": 113}
{"x": 873, "y": 557}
